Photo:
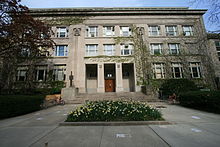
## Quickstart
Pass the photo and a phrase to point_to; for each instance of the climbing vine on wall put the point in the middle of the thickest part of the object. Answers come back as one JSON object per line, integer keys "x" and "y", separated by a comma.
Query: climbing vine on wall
{"x": 53, "y": 21}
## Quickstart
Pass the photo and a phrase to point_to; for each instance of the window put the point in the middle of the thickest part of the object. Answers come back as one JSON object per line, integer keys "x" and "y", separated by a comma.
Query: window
{"x": 126, "y": 49}
{"x": 177, "y": 70}
{"x": 92, "y": 31}
{"x": 108, "y": 31}
{"x": 125, "y": 31}
{"x": 171, "y": 30}
{"x": 59, "y": 72}
{"x": 109, "y": 49}
{"x": 91, "y": 50}
{"x": 156, "y": 48}
{"x": 217, "y": 44}
{"x": 41, "y": 72}
{"x": 195, "y": 70}
{"x": 174, "y": 48}
{"x": 62, "y": 32}
{"x": 21, "y": 74}
{"x": 61, "y": 50}
{"x": 158, "y": 70}
{"x": 188, "y": 30}
{"x": 154, "y": 30}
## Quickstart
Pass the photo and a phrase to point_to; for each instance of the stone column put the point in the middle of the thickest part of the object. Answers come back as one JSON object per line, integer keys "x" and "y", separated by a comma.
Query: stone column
{"x": 119, "y": 81}
{"x": 101, "y": 84}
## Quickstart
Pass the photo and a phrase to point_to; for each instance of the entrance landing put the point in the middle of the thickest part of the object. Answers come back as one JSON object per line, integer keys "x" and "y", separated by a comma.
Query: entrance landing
{"x": 136, "y": 96}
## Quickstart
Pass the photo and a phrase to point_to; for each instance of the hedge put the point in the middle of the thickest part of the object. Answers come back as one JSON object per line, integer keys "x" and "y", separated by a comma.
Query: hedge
{"x": 177, "y": 86}
{"x": 14, "y": 105}
{"x": 202, "y": 100}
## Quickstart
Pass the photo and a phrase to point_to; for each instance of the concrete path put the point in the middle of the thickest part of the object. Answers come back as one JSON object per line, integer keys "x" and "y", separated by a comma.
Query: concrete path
{"x": 191, "y": 128}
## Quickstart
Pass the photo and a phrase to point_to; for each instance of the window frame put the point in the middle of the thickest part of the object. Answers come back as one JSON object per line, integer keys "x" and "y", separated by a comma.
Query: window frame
{"x": 65, "y": 32}
{"x": 177, "y": 48}
{"x": 18, "y": 75}
{"x": 197, "y": 66}
{"x": 111, "y": 31}
{"x": 178, "y": 66}
{"x": 88, "y": 49}
{"x": 190, "y": 30}
{"x": 151, "y": 31}
{"x": 57, "y": 51}
{"x": 90, "y": 32}
{"x": 129, "y": 33}
{"x": 173, "y": 32}
{"x": 56, "y": 69}
{"x": 162, "y": 70}
{"x": 37, "y": 72}
{"x": 129, "y": 48}
{"x": 217, "y": 45}
{"x": 107, "y": 50}
{"x": 160, "y": 47}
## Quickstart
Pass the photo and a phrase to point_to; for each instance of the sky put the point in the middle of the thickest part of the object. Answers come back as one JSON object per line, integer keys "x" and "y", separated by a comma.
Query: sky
{"x": 121, "y": 3}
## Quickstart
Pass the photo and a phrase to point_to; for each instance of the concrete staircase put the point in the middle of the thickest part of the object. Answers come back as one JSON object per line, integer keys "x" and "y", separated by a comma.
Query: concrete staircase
{"x": 137, "y": 96}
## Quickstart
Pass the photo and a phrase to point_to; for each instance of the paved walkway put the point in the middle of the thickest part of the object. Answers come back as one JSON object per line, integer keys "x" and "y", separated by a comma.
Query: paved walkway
{"x": 191, "y": 128}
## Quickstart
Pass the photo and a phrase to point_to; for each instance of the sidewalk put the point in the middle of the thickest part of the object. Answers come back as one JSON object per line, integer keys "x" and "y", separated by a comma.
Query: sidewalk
{"x": 191, "y": 128}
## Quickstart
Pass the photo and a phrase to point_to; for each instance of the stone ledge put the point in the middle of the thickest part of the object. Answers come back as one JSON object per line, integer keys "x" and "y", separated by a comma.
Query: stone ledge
{"x": 115, "y": 123}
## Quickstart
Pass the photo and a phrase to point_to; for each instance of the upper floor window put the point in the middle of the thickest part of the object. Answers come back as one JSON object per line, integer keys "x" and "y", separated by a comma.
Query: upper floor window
{"x": 158, "y": 70}
{"x": 156, "y": 48}
{"x": 125, "y": 31}
{"x": 108, "y": 31}
{"x": 109, "y": 49}
{"x": 174, "y": 48}
{"x": 92, "y": 31}
{"x": 195, "y": 70}
{"x": 217, "y": 44}
{"x": 41, "y": 72}
{"x": 177, "y": 70}
{"x": 59, "y": 72}
{"x": 188, "y": 30}
{"x": 126, "y": 49}
{"x": 91, "y": 50}
{"x": 62, "y": 32}
{"x": 61, "y": 50}
{"x": 154, "y": 30}
{"x": 171, "y": 30}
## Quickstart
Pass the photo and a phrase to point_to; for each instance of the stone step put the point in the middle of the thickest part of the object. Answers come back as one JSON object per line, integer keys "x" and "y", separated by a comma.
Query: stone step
{"x": 137, "y": 96}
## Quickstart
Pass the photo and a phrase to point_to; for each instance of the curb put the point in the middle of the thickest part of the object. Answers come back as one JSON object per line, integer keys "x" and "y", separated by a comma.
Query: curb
{"x": 123, "y": 123}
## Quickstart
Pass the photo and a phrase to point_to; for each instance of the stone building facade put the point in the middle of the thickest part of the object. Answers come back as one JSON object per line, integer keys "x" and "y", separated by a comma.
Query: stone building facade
{"x": 214, "y": 52}
{"x": 86, "y": 46}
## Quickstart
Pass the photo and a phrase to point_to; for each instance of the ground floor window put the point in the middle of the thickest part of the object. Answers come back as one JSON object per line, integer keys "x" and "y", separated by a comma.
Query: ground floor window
{"x": 41, "y": 72}
{"x": 177, "y": 70}
{"x": 59, "y": 72}
{"x": 195, "y": 70}
{"x": 21, "y": 73}
{"x": 158, "y": 70}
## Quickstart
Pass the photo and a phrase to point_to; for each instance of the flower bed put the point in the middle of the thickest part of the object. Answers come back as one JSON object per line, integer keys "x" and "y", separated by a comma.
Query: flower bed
{"x": 114, "y": 111}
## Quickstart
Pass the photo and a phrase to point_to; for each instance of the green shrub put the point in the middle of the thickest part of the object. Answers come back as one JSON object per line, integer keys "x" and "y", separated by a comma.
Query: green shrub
{"x": 203, "y": 100}
{"x": 177, "y": 86}
{"x": 114, "y": 111}
{"x": 13, "y": 105}
{"x": 56, "y": 86}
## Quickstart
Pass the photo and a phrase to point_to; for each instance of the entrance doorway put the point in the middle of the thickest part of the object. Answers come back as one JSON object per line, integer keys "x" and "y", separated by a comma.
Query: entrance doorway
{"x": 128, "y": 77}
{"x": 109, "y": 71}
{"x": 91, "y": 78}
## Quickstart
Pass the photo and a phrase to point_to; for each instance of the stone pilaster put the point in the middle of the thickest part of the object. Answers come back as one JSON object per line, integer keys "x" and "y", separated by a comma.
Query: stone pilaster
{"x": 101, "y": 84}
{"x": 119, "y": 81}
